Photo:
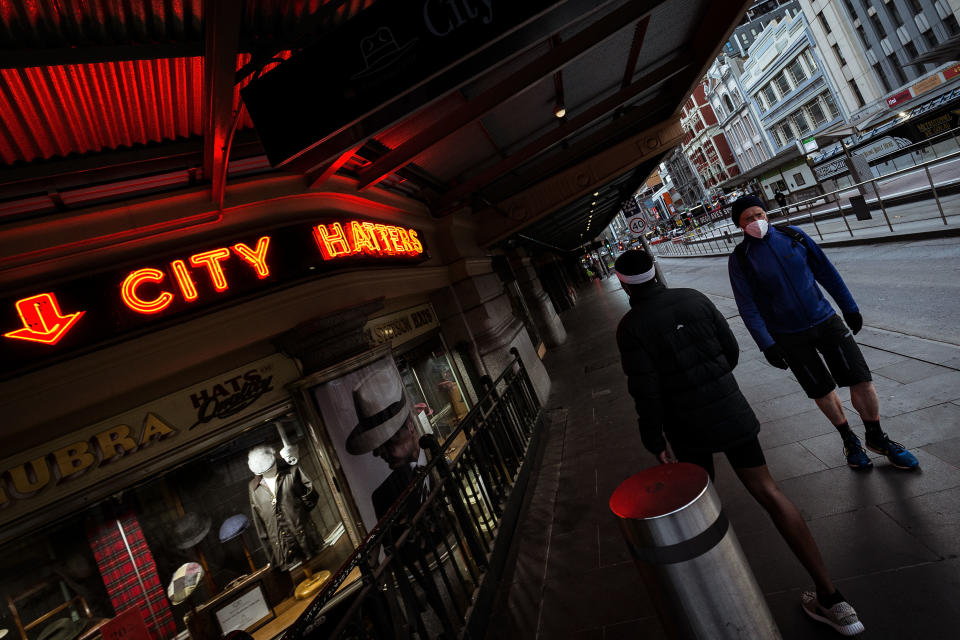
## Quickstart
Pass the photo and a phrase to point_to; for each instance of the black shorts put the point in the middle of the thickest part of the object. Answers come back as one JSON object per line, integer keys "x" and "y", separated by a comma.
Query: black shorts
{"x": 831, "y": 339}
{"x": 743, "y": 456}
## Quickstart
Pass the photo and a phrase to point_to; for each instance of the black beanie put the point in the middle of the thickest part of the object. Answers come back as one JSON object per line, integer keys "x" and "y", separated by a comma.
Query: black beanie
{"x": 742, "y": 204}
{"x": 633, "y": 263}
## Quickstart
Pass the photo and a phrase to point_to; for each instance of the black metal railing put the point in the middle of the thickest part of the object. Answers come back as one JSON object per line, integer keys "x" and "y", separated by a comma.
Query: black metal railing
{"x": 423, "y": 563}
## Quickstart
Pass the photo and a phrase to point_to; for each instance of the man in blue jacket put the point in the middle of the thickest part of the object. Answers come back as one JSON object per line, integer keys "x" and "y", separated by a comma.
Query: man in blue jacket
{"x": 775, "y": 275}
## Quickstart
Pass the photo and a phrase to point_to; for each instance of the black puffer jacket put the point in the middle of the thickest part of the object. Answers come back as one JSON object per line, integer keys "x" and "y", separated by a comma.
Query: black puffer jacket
{"x": 679, "y": 353}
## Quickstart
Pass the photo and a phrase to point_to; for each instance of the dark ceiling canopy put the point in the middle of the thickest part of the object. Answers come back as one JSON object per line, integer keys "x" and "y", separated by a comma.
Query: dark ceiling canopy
{"x": 503, "y": 97}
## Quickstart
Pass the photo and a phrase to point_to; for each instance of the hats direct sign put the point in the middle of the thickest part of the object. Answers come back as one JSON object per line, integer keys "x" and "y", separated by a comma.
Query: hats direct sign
{"x": 124, "y": 444}
{"x": 47, "y": 323}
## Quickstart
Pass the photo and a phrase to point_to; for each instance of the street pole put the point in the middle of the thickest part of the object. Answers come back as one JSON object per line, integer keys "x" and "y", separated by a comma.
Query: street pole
{"x": 656, "y": 263}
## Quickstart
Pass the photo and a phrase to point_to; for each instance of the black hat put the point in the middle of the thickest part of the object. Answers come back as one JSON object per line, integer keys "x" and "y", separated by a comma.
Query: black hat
{"x": 742, "y": 204}
{"x": 634, "y": 267}
{"x": 189, "y": 530}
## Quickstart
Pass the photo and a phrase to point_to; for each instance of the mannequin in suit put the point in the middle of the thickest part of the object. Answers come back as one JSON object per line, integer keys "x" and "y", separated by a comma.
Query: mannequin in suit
{"x": 281, "y": 496}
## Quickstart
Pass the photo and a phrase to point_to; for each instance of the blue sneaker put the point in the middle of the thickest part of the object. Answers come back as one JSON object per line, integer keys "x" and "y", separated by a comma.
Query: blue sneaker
{"x": 895, "y": 452}
{"x": 857, "y": 458}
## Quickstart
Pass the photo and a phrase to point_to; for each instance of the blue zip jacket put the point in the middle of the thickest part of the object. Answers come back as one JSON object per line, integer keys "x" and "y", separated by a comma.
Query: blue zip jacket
{"x": 786, "y": 272}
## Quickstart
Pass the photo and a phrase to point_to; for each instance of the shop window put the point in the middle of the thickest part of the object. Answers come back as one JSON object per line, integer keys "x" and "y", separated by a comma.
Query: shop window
{"x": 797, "y": 72}
{"x": 856, "y": 92}
{"x": 816, "y": 113}
{"x": 884, "y": 80}
{"x": 823, "y": 22}
{"x": 431, "y": 381}
{"x": 798, "y": 179}
{"x": 894, "y": 13}
{"x": 878, "y": 26}
{"x": 783, "y": 85}
{"x": 801, "y": 123}
{"x": 205, "y": 511}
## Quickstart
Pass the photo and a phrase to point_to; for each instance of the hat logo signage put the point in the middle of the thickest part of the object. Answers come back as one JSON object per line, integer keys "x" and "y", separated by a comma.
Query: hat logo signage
{"x": 215, "y": 406}
{"x": 442, "y": 17}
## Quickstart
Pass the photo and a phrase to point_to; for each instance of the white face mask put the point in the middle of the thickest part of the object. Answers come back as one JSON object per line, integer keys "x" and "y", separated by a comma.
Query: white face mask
{"x": 757, "y": 228}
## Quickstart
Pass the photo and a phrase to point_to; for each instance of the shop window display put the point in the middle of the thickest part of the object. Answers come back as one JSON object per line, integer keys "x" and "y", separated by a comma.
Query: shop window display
{"x": 429, "y": 378}
{"x": 171, "y": 543}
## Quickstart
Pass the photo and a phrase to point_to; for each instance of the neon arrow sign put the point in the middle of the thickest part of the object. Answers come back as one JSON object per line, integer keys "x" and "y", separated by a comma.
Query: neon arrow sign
{"x": 42, "y": 319}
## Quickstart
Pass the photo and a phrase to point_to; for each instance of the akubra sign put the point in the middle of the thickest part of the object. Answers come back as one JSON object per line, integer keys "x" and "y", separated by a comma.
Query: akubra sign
{"x": 48, "y": 323}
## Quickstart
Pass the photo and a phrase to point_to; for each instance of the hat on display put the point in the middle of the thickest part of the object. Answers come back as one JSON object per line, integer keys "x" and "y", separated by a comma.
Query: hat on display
{"x": 189, "y": 530}
{"x": 233, "y": 526}
{"x": 635, "y": 267}
{"x": 62, "y": 629}
{"x": 184, "y": 582}
{"x": 261, "y": 459}
{"x": 381, "y": 405}
{"x": 742, "y": 204}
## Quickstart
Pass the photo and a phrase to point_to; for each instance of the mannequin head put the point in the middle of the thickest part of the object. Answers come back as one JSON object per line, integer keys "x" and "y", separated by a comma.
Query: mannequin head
{"x": 262, "y": 460}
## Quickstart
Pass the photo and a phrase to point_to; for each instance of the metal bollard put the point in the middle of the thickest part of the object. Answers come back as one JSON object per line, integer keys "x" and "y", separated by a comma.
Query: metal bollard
{"x": 689, "y": 557}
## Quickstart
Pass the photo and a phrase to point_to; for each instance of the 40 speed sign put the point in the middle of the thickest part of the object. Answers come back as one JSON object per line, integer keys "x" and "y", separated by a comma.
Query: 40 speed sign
{"x": 637, "y": 224}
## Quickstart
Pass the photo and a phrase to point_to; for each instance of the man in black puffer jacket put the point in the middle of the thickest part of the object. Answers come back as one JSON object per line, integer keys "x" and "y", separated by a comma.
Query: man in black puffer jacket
{"x": 679, "y": 354}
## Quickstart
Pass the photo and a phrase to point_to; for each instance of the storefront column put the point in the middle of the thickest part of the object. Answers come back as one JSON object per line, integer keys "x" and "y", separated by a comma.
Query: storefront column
{"x": 538, "y": 302}
{"x": 476, "y": 309}
{"x": 555, "y": 282}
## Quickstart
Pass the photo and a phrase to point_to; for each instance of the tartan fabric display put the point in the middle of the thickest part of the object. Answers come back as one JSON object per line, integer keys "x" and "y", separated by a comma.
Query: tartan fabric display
{"x": 120, "y": 574}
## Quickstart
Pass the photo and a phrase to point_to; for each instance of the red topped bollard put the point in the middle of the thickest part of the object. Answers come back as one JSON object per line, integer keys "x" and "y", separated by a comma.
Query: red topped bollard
{"x": 689, "y": 557}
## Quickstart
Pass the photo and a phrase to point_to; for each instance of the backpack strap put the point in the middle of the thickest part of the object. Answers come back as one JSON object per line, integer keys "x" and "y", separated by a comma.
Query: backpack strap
{"x": 740, "y": 251}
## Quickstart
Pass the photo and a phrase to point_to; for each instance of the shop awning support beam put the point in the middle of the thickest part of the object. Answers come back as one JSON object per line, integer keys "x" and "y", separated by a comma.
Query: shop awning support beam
{"x": 221, "y": 43}
{"x": 511, "y": 86}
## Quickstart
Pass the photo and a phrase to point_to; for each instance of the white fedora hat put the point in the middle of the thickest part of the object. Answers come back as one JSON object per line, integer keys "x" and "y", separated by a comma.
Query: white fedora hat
{"x": 381, "y": 404}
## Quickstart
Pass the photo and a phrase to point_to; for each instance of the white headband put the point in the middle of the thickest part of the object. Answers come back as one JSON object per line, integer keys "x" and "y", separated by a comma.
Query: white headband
{"x": 640, "y": 278}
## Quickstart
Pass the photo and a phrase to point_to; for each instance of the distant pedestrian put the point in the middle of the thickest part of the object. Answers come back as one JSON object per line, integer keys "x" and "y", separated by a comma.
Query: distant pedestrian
{"x": 774, "y": 274}
{"x": 780, "y": 198}
{"x": 679, "y": 354}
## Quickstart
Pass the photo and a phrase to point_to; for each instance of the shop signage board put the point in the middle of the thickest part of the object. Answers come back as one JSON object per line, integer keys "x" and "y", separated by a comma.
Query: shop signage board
{"x": 401, "y": 326}
{"x": 926, "y": 84}
{"x": 74, "y": 465}
{"x": 384, "y": 52}
{"x": 951, "y": 72}
{"x": 50, "y": 322}
{"x": 899, "y": 97}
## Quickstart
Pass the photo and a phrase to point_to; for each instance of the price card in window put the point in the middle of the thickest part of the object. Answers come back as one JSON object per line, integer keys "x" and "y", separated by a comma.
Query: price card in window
{"x": 244, "y": 612}
{"x": 128, "y": 625}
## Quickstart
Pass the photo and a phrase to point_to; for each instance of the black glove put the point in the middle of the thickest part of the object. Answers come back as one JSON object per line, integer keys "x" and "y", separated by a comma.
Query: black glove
{"x": 854, "y": 320}
{"x": 776, "y": 356}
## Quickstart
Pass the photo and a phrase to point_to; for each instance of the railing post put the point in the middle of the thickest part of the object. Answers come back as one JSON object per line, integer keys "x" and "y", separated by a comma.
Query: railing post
{"x": 882, "y": 206}
{"x": 814, "y": 220}
{"x": 840, "y": 211}
{"x": 935, "y": 196}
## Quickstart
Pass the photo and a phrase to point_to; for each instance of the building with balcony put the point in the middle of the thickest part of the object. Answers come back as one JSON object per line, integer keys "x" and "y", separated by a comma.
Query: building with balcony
{"x": 704, "y": 142}
{"x": 739, "y": 123}
{"x": 794, "y": 98}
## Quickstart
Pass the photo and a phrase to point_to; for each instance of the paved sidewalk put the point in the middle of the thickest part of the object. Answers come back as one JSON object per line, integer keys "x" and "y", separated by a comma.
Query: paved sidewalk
{"x": 890, "y": 538}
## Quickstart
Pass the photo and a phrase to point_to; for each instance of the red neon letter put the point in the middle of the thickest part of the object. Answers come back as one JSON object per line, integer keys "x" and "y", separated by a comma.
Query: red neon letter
{"x": 42, "y": 320}
{"x": 361, "y": 241}
{"x": 187, "y": 286}
{"x": 211, "y": 260}
{"x": 128, "y": 291}
{"x": 417, "y": 247}
{"x": 258, "y": 258}
{"x": 332, "y": 241}
{"x": 371, "y": 230}
{"x": 405, "y": 241}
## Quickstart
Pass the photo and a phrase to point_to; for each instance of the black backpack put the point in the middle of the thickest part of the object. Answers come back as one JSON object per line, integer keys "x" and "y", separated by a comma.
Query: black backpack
{"x": 740, "y": 252}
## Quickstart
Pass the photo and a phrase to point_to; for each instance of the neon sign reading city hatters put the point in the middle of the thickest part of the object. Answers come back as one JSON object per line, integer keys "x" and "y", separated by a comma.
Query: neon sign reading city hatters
{"x": 92, "y": 308}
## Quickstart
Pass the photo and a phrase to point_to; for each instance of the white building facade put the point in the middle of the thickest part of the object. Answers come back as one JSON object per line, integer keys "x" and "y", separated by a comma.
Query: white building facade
{"x": 739, "y": 122}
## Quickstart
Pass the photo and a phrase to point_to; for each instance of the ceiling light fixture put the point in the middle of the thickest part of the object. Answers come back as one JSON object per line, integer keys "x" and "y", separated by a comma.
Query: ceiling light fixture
{"x": 559, "y": 110}
{"x": 596, "y": 193}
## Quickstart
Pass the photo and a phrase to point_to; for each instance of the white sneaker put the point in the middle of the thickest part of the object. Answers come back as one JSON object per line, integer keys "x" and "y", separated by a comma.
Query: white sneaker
{"x": 840, "y": 616}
